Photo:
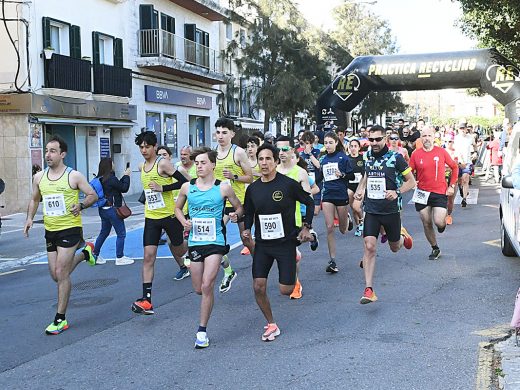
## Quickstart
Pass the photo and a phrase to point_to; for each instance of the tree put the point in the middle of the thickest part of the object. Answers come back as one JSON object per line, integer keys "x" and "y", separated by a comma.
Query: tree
{"x": 493, "y": 24}
{"x": 377, "y": 103}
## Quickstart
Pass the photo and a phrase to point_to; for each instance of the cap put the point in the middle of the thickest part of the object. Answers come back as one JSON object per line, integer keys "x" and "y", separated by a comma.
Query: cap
{"x": 462, "y": 125}
{"x": 268, "y": 135}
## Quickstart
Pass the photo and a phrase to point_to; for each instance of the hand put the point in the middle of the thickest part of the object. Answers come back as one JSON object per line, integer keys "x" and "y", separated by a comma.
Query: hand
{"x": 154, "y": 186}
{"x": 338, "y": 173}
{"x": 187, "y": 225}
{"x": 246, "y": 234}
{"x": 227, "y": 174}
{"x": 390, "y": 195}
{"x": 358, "y": 196}
{"x": 27, "y": 226}
{"x": 450, "y": 191}
{"x": 127, "y": 172}
{"x": 305, "y": 235}
{"x": 75, "y": 209}
{"x": 233, "y": 217}
{"x": 308, "y": 149}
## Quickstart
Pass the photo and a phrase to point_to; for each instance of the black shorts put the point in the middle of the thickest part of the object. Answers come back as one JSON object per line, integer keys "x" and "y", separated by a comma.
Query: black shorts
{"x": 200, "y": 252}
{"x": 336, "y": 202}
{"x": 352, "y": 186}
{"x": 434, "y": 200}
{"x": 317, "y": 197}
{"x": 153, "y": 230}
{"x": 66, "y": 238}
{"x": 391, "y": 222}
{"x": 285, "y": 256}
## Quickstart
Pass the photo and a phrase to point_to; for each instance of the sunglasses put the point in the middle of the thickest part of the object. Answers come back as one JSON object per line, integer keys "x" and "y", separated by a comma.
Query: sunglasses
{"x": 450, "y": 142}
{"x": 377, "y": 139}
{"x": 394, "y": 138}
{"x": 285, "y": 148}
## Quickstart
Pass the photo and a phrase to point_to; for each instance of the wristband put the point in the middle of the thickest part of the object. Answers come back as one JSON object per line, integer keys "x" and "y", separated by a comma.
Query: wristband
{"x": 235, "y": 177}
{"x": 82, "y": 206}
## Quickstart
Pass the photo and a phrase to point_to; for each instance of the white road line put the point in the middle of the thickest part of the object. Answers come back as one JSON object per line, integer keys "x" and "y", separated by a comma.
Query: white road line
{"x": 8, "y": 258}
{"x": 12, "y": 272}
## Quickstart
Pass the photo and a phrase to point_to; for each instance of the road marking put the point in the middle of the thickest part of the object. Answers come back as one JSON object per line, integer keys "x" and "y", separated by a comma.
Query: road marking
{"x": 12, "y": 272}
{"x": 493, "y": 206}
{"x": 8, "y": 258}
{"x": 493, "y": 243}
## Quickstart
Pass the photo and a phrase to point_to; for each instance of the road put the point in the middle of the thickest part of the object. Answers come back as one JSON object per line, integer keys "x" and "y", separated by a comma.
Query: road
{"x": 421, "y": 334}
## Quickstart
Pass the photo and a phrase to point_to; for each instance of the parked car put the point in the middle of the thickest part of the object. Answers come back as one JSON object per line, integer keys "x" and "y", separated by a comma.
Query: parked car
{"x": 510, "y": 197}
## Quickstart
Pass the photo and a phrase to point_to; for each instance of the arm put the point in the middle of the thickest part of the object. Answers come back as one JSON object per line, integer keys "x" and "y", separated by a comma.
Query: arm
{"x": 77, "y": 180}
{"x": 409, "y": 183}
{"x": 303, "y": 178}
{"x": 181, "y": 200}
{"x": 227, "y": 191}
{"x": 249, "y": 210}
{"x": 121, "y": 185}
{"x": 360, "y": 191}
{"x": 304, "y": 198}
{"x": 33, "y": 203}
{"x": 315, "y": 189}
{"x": 243, "y": 161}
{"x": 454, "y": 168}
{"x": 181, "y": 179}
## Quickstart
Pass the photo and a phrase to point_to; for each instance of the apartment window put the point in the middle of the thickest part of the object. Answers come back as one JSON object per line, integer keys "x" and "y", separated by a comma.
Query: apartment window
{"x": 198, "y": 52}
{"x": 63, "y": 37}
{"x": 229, "y": 31}
{"x": 170, "y": 133}
{"x": 168, "y": 35}
{"x": 107, "y": 50}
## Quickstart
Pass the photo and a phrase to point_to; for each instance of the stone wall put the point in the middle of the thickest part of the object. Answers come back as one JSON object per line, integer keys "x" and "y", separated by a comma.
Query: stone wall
{"x": 15, "y": 163}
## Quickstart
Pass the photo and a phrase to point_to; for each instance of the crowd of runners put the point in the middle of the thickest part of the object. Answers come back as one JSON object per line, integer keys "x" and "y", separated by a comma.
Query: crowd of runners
{"x": 272, "y": 189}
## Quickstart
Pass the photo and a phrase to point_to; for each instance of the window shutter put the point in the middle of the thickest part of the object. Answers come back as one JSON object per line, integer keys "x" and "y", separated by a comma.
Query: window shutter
{"x": 46, "y": 24}
{"x": 75, "y": 41}
{"x": 145, "y": 16}
{"x": 95, "y": 47}
{"x": 118, "y": 52}
{"x": 189, "y": 31}
{"x": 205, "y": 41}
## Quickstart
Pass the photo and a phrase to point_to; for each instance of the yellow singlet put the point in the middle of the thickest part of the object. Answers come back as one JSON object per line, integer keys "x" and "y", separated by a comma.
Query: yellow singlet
{"x": 229, "y": 163}
{"x": 293, "y": 174}
{"x": 193, "y": 173}
{"x": 158, "y": 204}
{"x": 58, "y": 198}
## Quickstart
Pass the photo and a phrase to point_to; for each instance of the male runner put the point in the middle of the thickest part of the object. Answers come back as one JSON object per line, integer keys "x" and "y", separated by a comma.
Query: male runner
{"x": 58, "y": 187}
{"x": 207, "y": 244}
{"x": 158, "y": 212}
{"x": 383, "y": 182}
{"x": 464, "y": 148}
{"x": 232, "y": 167}
{"x": 270, "y": 203}
{"x": 311, "y": 156}
{"x": 431, "y": 195}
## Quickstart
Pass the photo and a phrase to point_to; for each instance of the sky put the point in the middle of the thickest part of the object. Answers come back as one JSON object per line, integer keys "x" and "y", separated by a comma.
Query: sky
{"x": 420, "y": 26}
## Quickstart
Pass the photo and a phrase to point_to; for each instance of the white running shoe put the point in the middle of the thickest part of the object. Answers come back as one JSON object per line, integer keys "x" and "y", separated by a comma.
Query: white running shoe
{"x": 100, "y": 260}
{"x": 124, "y": 260}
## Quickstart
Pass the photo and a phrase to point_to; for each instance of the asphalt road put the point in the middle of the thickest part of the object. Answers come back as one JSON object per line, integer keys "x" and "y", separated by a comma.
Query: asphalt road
{"x": 421, "y": 334}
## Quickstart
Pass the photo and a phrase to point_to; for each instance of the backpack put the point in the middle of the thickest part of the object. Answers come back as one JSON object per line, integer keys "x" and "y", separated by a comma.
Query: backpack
{"x": 96, "y": 185}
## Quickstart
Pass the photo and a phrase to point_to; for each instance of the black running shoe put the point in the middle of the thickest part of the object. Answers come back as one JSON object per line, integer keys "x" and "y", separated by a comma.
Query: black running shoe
{"x": 463, "y": 203}
{"x": 350, "y": 224}
{"x": 436, "y": 253}
{"x": 460, "y": 192}
{"x": 332, "y": 267}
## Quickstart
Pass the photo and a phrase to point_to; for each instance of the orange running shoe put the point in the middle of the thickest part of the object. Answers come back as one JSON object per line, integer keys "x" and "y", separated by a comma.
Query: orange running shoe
{"x": 245, "y": 251}
{"x": 142, "y": 306}
{"x": 369, "y": 296}
{"x": 297, "y": 292}
{"x": 336, "y": 222}
{"x": 271, "y": 332}
{"x": 408, "y": 240}
{"x": 449, "y": 220}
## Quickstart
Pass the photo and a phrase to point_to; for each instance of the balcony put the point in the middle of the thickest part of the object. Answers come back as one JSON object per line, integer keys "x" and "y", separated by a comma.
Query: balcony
{"x": 112, "y": 80}
{"x": 169, "y": 53}
{"x": 64, "y": 72}
{"x": 206, "y": 8}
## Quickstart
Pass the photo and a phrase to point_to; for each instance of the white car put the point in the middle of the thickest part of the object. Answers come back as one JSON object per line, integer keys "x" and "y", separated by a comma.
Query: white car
{"x": 510, "y": 198}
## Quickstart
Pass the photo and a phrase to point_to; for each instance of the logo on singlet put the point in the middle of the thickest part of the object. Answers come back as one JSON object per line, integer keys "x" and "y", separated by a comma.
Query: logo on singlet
{"x": 277, "y": 196}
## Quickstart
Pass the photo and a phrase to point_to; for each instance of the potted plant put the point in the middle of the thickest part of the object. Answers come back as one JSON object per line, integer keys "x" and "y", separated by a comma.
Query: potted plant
{"x": 48, "y": 52}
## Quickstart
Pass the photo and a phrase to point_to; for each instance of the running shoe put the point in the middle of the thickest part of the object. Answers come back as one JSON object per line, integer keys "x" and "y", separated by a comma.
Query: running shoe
{"x": 369, "y": 296}
{"x": 336, "y": 222}
{"x": 202, "y": 340}
{"x": 245, "y": 251}
{"x": 332, "y": 267}
{"x": 89, "y": 247}
{"x": 142, "y": 306}
{"x": 463, "y": 203}
{"x": 436, "y": 253}
{"x": 449, "y": 220}
{"x": 359, "y": 231}
{"x": 350, "y": 224}
{"x": 384, "y": 238}
{"x": 225, "y": 285}
{"x": 100, "y": 260}
{"x": 271, "y": 332}
{"x": 54, "y": 329}
{"x": 315, "y": 242}
{"x": 408, "y": 240}
{"x": 183, "y": 273}
{"x": 361, "y": 263}
{"x": 297, "y": 292}
{"x": 125, "y": 260}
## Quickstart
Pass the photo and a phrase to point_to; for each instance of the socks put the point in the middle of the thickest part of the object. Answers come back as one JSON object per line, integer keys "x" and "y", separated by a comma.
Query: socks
{"x": 86, "y": 254}
{"x": 147, "y": 291}
{"x": 59, "y": 318}
{"x": 435, "y": 247}
{"x": 228, "y": 271}
{"x": 201, "y": 329}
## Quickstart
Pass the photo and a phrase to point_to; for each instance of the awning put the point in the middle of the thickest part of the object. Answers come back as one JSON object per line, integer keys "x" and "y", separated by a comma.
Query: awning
{"x": 84, "y": 122}
{"x": 251, "y": 125}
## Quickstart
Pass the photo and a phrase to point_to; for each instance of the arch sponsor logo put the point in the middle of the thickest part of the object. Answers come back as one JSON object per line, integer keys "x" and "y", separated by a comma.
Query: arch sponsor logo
{"x": 502, "y": 77}
{"x": 346, "y": 86}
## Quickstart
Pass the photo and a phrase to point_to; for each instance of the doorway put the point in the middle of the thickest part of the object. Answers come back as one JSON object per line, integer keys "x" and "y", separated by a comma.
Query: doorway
{"x": 197, "y": 126}
{"x": 76, "y": 140}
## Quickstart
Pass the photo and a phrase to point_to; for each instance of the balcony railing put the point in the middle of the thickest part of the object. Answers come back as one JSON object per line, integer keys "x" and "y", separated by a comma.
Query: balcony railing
{"x": 112, "y": 80}
{"x": 160, "y": 43}
{"x": 66, "y": 72}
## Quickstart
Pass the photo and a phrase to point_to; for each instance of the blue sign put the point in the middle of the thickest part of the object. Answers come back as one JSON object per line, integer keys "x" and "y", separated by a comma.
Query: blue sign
{"x": 104, "y": 147}
{"x": 177, "y": 98}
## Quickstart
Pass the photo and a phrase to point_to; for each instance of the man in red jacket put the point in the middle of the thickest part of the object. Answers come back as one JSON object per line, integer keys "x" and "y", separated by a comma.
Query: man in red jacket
{"x": 431, "y": 195}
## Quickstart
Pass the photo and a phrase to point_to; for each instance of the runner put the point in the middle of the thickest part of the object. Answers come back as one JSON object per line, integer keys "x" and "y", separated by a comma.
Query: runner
{"x": 311, "y": 156}
{"x": 206, "y": 197}
{"x": 156, "y": 174}
{"x": 393, "y": 140}
{"x": 232, "y": 167}
{"x": 252, "y": 146}
{"x": 383, "y": 182}
{"x": 358, "y": 167}
{"x": 336, "y": 171}
{"x": 431, "y": 194}
{"x": 464, "y": 147}
{"x": 58, "y": 187}
{"x": 270, "y": 203}
{"x": 449, "y": 172}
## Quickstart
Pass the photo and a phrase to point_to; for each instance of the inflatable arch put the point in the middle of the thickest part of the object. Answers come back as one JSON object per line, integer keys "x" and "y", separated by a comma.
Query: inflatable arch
{"x": 484, "y": 68}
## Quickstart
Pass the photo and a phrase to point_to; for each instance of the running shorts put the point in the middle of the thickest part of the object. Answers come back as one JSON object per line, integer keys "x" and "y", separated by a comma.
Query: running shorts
{"x": 66, "y": 238}
{"x": 467, "y": 169}
{"x": 391, "y": 223}
{"x": 153, "y": 229}
{"x": 199, "y": 253}
{"x": 434, "y": 200}
{"x": 336, "y": 202}
{"x": 285, "y": 256}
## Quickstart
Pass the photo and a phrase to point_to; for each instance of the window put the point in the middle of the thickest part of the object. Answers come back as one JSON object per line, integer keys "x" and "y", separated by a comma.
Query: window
{"x": 168, "y": 37}
{"x": 55, "y": 38}
{"x": 63, "y": 37}
{"x": 229, "y": 31}
{"x": 153, "y": 123}
{"x": 170, "y": 133}
{"x": 107, "y": 50}
{"x": 242, "y": 38}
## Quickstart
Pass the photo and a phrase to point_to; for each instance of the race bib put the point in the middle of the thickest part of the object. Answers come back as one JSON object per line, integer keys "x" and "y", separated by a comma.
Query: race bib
{"x": 376, "y": 187}
{"x": 329, "y": 171}
{"x": 271, "y": 226}
{"x": 154, "y": 200}
{"x": 54, "y": 205}
{"x": 420, "y": 196}
{"x": 357, "y": 178}
{"x": 203, "y": 229}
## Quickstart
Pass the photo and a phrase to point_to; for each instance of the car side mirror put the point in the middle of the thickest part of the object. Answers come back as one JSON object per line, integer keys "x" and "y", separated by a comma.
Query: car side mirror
{"x": 507, "y": 181}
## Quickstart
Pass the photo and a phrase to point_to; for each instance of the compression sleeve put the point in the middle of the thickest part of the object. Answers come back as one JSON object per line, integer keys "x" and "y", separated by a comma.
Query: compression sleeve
{"x": 178, "y": 184}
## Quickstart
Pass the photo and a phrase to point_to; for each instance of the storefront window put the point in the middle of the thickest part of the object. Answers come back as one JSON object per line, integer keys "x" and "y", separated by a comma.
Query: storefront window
{"x": 153, "y": 123}
{"x": 170, "y": 133}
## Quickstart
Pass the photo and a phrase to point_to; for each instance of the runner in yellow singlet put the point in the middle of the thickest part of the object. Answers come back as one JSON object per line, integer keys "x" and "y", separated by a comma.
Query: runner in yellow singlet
{"x": 252, "y": 146}
{"x": 58, "y": 187}
{"x": 232, "y": 167}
